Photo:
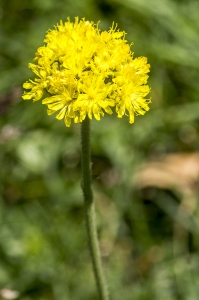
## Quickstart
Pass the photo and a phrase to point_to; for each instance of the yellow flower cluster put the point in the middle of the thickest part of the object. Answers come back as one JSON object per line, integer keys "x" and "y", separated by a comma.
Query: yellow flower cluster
{"x": 82, "y": 71}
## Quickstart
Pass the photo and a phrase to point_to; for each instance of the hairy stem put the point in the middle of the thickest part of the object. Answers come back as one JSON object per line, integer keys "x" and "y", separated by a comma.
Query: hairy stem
{"x": 90, "y": 211}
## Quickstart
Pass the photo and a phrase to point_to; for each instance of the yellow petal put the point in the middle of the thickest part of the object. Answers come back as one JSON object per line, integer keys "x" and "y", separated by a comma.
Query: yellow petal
{"x": 70, "y": 112}
{"x": 27, "y": 85}
{"x": 77, "y": 119}
{"x": 27, "y": 96}
{"x": 61, "y": 114}
{"x": 90, "y": 114}
{"x": 131, "y": 117}
{"x": 38, "y": 94}
{"x": 56, "y": 106}
{"x": 108, "y": 110}
{"x": 121, "y": 112}
{"x": 48, "y": 100}
{"x": 97, "y": 116}
{"x": 67, "y": 121}
{"x": 50, "y": 112}
{"x": 34, "y": 68}
{"x": 43, "y": 74}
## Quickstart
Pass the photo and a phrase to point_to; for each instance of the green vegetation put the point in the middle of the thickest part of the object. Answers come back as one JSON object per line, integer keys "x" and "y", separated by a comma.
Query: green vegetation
{"x": 150, "y": 251}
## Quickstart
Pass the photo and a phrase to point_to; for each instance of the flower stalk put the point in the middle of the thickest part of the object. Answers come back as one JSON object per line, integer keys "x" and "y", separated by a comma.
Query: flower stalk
{"x": 90, "y": 211}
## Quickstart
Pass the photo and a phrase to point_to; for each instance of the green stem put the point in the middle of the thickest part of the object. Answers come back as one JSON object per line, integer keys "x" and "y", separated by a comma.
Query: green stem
{"x": 90, "y": 211}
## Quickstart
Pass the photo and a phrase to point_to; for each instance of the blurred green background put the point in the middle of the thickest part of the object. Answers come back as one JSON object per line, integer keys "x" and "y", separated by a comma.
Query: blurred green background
{"x": 148, "y": 224}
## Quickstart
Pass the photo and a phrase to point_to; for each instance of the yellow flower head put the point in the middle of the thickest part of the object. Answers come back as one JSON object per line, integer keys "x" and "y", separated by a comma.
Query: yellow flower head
{"x": 85, "y": 72}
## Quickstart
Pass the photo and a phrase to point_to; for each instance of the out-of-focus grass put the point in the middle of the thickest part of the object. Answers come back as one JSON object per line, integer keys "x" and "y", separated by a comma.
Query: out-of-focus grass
{"x": 147, "y": 254}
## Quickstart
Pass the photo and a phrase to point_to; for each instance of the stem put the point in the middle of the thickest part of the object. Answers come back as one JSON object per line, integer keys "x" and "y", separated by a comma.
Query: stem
{"x": 90, "y": 211}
